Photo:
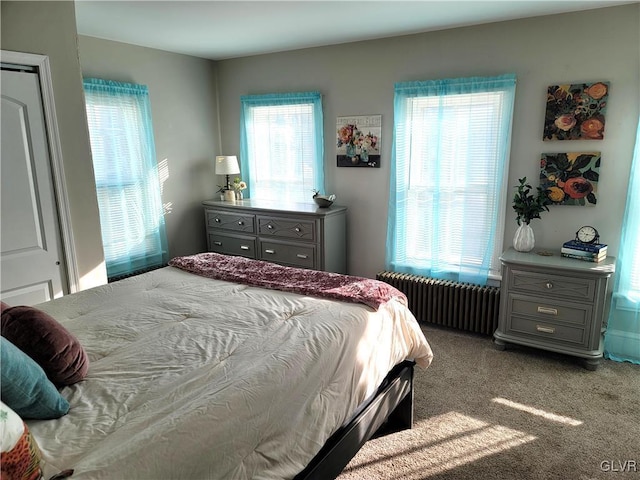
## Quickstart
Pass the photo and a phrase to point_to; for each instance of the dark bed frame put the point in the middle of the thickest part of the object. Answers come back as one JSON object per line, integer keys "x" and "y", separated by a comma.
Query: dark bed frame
{"x": 389, "y": 410}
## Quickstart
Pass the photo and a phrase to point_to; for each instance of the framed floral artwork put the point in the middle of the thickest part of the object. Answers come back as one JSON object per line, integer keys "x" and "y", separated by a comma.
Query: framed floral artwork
{"x": 358, "y": 141}
{"x": 570, "y": 178}
{"x": 576, "y": 111}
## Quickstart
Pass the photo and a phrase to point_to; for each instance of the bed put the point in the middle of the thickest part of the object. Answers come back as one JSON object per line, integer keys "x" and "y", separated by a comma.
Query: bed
{"x": 220, "y": 367}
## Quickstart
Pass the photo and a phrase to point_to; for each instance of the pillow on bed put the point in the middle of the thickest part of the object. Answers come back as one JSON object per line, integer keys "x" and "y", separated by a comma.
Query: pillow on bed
{"x": 25, "y": 387}
{"x": 19, "y": 454}
{"x": 45, "y": 340}
{"x": 3, "y": 307}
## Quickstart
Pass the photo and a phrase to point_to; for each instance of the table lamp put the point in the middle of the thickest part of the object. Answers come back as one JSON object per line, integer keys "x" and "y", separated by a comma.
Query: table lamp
{"x": 227, "y": 165}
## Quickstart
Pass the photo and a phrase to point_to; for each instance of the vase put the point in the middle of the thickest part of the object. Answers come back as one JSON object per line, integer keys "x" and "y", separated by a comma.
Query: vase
{"x": 351, "y": 150}
{"x": 230, "y": 196}
{"x": 364, "y": 156}
{"x": 523, "y": 240}
{"x": 239, "y": 195}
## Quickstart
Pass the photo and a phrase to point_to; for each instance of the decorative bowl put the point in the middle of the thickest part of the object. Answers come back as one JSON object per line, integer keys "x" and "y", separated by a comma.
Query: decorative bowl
{"x": 323, "y": 201}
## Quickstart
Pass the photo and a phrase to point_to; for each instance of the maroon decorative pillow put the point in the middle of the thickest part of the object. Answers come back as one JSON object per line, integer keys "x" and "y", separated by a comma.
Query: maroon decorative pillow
{"x": 47, "y": 342}
{"x": 3, "y": 307}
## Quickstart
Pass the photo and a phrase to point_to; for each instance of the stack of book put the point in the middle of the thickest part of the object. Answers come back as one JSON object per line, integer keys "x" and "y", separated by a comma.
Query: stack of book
{"x": 589, "y": 252}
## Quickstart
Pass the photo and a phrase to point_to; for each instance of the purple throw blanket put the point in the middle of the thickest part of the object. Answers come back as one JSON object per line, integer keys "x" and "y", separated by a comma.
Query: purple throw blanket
{"x": 263, "y": 274}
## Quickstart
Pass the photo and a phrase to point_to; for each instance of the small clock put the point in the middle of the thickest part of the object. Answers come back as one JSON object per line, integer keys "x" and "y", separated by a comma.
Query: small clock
{"x": 587, "y": 234}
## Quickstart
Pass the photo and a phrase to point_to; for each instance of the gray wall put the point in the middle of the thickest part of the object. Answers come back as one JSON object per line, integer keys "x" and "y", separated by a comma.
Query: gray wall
{"x": 185, "y": 116}
{"x": 355, "y": 79}
{"x": 358, "y": 79}
{"x": 49, "y": 28}
{"x": 182, "y": 91}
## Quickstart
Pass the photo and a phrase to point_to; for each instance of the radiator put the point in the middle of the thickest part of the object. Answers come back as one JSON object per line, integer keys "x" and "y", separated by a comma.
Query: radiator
{"x": 133, "y": 274}
{"x": 457, "y": 305}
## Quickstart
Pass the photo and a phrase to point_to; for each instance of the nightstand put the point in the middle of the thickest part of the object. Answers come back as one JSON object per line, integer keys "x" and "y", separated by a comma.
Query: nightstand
{"x": 554, "y": 303}
{"x": 296, "y": 234}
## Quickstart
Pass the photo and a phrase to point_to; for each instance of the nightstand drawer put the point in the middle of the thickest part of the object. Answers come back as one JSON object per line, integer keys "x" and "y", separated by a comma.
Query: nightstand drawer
{"x": 236, "y": 245}
{"x": 550, "y": 311}
{"x": 554, "y": 303}
{"x": 564, "y": 287}
{"x": 235, "y": 222}
{"x": 298, "y": 255}
{"x": 295, "y": 229}
{"x": 548, "y": 331}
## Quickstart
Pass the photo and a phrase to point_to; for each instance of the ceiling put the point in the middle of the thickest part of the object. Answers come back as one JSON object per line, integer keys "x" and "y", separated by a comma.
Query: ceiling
{"x": 220, "y": 30}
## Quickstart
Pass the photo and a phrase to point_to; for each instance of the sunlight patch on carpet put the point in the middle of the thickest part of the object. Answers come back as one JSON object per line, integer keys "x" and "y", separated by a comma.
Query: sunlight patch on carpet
{"x": 536, "y": 411}
{"x": 450, "y": 441}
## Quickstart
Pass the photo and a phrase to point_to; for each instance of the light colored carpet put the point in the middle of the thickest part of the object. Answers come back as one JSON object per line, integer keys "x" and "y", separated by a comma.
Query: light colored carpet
{"x": 481, "y": 413}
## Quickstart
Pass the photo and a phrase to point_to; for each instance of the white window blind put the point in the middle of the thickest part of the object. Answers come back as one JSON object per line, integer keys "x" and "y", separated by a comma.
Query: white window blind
{"x": 448, "y": 193}
{"x": 282, "y": 145}
{"x": 125, "y": 169}
{"x": 628, "y": 275}
{"x": 634, "y": 284}
{"x": 622, "y": 337}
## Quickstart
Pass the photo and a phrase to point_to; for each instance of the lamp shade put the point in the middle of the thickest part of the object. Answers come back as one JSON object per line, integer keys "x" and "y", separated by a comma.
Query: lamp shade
{"x": 227, "y": 165}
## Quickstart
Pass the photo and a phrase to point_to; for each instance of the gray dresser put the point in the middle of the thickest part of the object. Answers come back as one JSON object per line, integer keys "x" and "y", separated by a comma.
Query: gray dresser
{"x": 554, "y": 303}
{"x": 297, "y": 234}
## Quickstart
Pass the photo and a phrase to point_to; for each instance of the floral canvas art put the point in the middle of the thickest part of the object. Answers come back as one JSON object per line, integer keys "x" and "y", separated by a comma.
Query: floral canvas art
{"x": 358, "y": 141}
{"x": 570, "y": 178}
{"x": 576, "y": 112}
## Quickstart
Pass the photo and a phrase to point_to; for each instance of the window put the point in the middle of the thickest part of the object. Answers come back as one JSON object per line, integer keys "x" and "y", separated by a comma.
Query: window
{"x": 622, "y": 338}
{"x": 282, "y": 146}
{"x": 627, "y": 291}
{"x": 448, "y": 183}
{"x": 630, "y": 271}
{"x": 124, "y": 163}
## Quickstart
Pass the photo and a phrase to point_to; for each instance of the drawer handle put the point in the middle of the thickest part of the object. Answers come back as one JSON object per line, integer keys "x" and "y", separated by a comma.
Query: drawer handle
{"x": 549, "y": 285}
{"x": 270, "y": 227}
{"x": 548, "y": 311}
{"x": 268, "y": 250}
{"x": 217, "y": 220}
{"x": 218, "y": 243}
{"x": 240, "y": 222}
{"x": 543, "y": 329}
{"x": 298, "y": 229}
{"x": 302, "y": 255}
{"x": 244, "y": 247}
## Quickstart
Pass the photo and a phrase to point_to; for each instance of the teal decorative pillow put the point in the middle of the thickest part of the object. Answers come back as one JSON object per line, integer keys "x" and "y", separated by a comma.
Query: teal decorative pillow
{"x": 26, "y": 388}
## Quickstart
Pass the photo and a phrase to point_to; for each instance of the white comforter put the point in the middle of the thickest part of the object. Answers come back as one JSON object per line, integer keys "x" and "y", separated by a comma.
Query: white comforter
{"x": 193, "y": 378}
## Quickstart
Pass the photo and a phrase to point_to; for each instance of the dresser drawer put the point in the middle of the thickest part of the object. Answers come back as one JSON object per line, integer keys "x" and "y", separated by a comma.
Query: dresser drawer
{"x": 286, "y": 228}
{"x": 551, "y": 332}
{"x": 291, "y": 233}
{"x": 549, "y": 285}
{"x": 550, "y": 311}
{"x": 236, "y": 222}
{"x": 298, "y": 255}
{"x": 231, "y": 245}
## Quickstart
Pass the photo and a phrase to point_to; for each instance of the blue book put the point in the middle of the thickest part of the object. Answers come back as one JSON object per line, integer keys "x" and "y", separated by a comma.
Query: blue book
{"x": 585, "y": 247}
{"x": 584, "y": 258}
{"x": 583, "y": 253}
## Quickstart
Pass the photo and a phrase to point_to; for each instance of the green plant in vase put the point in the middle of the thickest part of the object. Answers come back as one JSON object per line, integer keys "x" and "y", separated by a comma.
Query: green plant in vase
{"x": 527, "y": 207}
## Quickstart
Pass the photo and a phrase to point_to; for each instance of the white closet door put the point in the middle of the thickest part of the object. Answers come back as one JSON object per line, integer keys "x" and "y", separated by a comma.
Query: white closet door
{"x": 31, "y": 262}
